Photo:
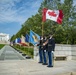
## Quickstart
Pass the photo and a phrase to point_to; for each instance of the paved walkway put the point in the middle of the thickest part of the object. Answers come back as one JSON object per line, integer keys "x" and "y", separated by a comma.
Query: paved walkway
{"x": 31, "y": 67}
{"x": 8, "y": 53}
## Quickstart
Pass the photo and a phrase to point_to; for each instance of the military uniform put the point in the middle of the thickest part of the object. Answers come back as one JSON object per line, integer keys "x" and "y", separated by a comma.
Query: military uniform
{"x": 44, "y": 53}
{"x": 40, "y": 51}
{"x": 51, "y": 46}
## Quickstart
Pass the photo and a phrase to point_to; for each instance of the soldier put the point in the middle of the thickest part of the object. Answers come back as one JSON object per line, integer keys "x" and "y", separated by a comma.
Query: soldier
{"x": 44, "y": 51}
{"x": 51, "y": 46}
{"x": 40, "y": 50}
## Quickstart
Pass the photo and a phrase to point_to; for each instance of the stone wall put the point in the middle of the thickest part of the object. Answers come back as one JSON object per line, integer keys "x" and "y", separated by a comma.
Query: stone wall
{"x": 73, "y": 50}
{"x": 61, "y": 50}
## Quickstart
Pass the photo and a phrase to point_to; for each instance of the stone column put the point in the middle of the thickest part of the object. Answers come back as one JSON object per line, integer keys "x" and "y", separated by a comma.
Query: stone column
{"x": 36, "y": 53}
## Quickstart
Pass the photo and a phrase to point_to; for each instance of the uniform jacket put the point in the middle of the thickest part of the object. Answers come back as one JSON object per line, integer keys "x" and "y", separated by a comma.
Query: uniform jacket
{"x": 40, "y": 44}
{"x": 44, "y": 47}
{"x": 51, "y": 44}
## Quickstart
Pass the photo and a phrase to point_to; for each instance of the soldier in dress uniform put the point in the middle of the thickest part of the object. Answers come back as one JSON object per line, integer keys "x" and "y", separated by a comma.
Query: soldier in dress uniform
{"x": 40, "y": 50}
{"x": 51, "y": 47}
{"x": 44, "y": 51}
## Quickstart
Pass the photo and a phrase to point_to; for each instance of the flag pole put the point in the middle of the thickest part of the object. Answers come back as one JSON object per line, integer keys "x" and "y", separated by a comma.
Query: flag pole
{"x": 42, "y": 28}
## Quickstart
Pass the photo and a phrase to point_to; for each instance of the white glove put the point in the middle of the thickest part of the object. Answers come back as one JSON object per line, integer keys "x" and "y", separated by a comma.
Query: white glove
{"x": 44, "y": 50}
{"x": 52, "y": 51}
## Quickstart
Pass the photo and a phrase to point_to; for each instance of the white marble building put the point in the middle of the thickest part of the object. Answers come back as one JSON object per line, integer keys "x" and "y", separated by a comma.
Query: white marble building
{"x": 4, "y": 38}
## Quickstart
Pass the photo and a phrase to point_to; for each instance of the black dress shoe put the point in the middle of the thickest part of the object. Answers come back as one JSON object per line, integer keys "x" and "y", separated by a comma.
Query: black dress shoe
{"x": 44, "y": 64}
{"x": 49, "y": 66}
{"x": 39, "y": 62}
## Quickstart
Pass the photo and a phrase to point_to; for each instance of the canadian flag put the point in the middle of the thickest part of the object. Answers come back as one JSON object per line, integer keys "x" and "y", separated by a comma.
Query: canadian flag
{"x": 55, "y": 15}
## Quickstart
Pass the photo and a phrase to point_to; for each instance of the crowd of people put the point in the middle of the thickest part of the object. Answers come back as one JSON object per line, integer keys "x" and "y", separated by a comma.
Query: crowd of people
{"x": 46, "y": 50}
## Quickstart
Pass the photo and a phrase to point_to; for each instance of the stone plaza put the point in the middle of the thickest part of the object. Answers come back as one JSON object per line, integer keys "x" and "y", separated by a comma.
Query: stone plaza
{"x": 13, "y": 63}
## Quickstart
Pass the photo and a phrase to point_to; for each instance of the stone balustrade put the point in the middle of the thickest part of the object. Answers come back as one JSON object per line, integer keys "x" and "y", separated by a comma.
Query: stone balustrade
{"x": 61, "y": 50}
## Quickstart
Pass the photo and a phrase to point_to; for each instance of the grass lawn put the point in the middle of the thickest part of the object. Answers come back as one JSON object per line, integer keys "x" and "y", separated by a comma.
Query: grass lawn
{"x": 25, "y": 50}
{"x": 1, "y": 45}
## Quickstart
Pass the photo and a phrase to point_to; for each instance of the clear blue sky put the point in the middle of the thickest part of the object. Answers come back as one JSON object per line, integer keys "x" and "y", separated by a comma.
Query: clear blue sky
{"x": 13, "y": 13}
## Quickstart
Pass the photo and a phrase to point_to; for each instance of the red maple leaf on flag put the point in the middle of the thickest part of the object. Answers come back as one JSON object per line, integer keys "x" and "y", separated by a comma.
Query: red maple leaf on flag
{"x": 52, "y": 13}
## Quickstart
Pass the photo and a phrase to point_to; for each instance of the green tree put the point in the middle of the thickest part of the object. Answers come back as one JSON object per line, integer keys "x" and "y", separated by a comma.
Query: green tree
{"x": 64, "y": 33}
{"x": 69, "y": 19}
